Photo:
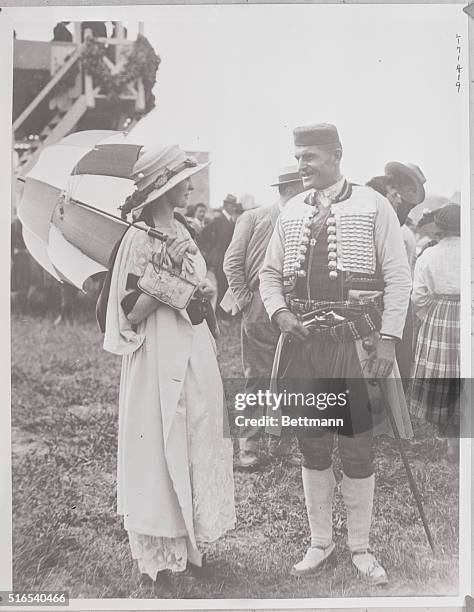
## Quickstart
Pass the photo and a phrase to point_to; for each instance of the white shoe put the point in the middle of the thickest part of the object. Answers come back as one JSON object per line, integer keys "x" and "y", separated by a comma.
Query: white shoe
{"x": 369, "y": 568}
{"x": 313, "y": 560}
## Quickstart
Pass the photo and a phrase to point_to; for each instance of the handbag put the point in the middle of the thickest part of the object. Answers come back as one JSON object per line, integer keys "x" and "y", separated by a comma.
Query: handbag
{"x": 162, "y": 282}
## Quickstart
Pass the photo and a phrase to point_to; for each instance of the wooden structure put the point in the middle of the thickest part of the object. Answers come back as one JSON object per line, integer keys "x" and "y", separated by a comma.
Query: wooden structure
{"x": 67, "y": 97}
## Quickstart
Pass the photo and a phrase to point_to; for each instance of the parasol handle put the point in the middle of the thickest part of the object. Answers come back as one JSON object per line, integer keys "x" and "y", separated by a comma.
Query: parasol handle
{"x": 154, "y": 233}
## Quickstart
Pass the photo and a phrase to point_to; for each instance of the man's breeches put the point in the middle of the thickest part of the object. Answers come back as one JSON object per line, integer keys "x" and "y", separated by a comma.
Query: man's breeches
{"x": 320, "y": 366}
{"x": 355, "y": 452}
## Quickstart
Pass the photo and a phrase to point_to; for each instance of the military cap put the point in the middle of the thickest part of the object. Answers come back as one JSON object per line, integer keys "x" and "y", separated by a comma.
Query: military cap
{"x": 319, "y": 134}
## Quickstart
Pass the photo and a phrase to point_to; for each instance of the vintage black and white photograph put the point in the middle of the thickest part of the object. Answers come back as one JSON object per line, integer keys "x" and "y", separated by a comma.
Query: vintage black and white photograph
{"x": 239, "y": 243}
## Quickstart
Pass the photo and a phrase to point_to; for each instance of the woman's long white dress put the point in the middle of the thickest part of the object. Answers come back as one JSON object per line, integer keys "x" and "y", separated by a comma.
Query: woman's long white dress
{"x": 175, "y": 482}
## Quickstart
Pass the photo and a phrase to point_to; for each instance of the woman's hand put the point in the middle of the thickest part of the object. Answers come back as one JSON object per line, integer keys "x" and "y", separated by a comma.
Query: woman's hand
{"x": 206, "y": 289}
{"x": 177, "y": 247}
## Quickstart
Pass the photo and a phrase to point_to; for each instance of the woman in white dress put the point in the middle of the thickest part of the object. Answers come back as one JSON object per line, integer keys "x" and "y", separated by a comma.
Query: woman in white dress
{"x": 175, "y": 482}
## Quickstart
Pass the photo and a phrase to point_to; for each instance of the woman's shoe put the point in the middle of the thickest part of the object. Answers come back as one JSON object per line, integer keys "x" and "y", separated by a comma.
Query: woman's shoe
{"x": 203, "y": 571}
{"x": 145, "y": 580}
{"x": 162, "y": 578}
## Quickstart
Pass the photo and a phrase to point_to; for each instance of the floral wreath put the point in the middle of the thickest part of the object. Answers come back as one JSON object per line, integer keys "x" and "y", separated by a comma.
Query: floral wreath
{"x": 142, "y": 63}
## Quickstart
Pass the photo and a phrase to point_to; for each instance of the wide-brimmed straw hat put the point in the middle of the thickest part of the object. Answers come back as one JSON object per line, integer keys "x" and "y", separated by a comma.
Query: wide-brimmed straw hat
{"x": 288, "y": 174}
{"x": 156, "y": 171}
{"x": 409, "y": 179}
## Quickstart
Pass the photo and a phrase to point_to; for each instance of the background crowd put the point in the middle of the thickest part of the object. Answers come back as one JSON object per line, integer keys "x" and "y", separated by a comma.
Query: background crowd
{"x": 430, "y": 338}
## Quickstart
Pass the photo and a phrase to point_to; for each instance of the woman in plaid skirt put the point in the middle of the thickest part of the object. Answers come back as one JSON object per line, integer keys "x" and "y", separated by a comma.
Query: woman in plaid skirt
{"x": 435, "y": 386}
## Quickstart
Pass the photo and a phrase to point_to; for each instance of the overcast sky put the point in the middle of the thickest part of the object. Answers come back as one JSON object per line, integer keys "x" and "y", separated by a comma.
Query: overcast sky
{"x": 235, "y": 80}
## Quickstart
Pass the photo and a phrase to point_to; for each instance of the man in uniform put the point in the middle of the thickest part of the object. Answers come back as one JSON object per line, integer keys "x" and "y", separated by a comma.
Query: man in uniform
{"x": 337, "y": 256}
{"x": 242, "y": 264}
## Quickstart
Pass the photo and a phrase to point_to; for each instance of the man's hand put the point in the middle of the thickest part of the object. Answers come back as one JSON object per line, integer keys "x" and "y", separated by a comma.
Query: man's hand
{"x": 382, "y": 358}
{"x": 289, "y": 324}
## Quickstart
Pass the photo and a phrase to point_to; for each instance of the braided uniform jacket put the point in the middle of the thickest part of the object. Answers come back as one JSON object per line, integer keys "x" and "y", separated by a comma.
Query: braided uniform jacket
{"x": 369, "y": 241}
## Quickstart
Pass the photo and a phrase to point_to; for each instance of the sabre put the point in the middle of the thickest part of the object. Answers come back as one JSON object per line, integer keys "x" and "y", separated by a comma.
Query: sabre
{"x": 150, "y": 230}
{"x": 414, "y": 489}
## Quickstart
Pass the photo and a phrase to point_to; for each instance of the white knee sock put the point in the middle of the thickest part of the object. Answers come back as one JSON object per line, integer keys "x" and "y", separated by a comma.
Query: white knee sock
{"x": 318, "y": 488}
{"x": 358, "y": 494}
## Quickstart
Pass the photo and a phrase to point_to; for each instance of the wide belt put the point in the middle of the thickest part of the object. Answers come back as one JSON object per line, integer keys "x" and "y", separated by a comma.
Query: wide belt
{"x": 344, "y": 321}
{"x": 447, "y": 297}
{"x": 357, "y": 283}
{"x": 361, "y": 283}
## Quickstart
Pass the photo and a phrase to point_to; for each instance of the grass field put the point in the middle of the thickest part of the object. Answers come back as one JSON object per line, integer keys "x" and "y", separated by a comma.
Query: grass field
{"x": 67, "y": 535}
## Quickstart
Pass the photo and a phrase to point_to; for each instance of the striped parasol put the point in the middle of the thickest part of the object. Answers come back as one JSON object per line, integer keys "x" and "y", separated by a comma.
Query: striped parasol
{"x": 70, "y": 200}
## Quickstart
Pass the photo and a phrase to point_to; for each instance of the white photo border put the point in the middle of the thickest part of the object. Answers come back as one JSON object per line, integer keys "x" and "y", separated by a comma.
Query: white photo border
{"x": 57, "y": 11}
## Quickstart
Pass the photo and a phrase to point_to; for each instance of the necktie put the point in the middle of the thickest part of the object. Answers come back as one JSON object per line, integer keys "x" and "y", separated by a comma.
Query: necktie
{"x": 322, "y": 199}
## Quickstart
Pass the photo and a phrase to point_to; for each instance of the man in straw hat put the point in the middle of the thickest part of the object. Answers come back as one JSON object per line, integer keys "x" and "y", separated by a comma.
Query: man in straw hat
{"x": 402, "y": 185}
{"x": 242, "y": 264}
{"x": 215, "y": 239}
{"x": 408, "y": 180}
{"x": 336, "y": 282}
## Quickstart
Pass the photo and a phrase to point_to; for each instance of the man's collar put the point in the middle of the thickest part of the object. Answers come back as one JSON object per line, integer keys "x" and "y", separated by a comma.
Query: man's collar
{"x": 325, "y": 197}
{"x": 330, "y": 193}
{"x": 227, "y": 215}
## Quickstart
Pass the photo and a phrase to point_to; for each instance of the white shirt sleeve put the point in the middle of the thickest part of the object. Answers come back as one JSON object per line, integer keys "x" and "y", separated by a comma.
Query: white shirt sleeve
{"x": 421, "y": 294}
{"x": 393, "y": 261}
